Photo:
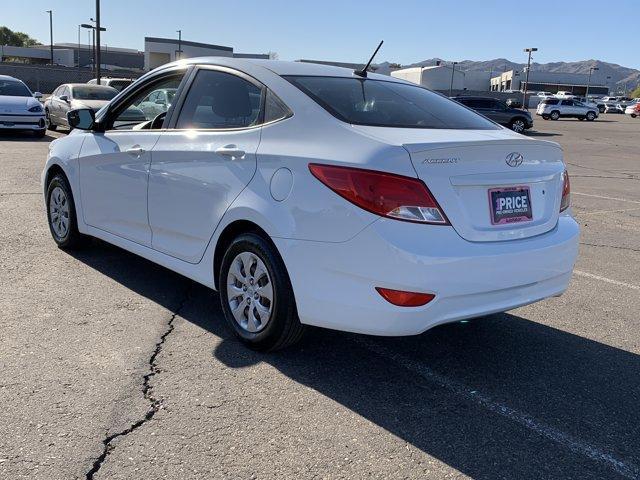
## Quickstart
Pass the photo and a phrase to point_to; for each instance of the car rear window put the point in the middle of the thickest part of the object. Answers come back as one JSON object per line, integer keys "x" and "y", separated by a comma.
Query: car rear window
{"x": 550, "y": 101}
{"x": 94, "y": 93}
{"x": 382, "y": 103}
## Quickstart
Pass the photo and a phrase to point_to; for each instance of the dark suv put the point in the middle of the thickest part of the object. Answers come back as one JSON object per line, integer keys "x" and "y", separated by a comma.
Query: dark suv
{"x": 516, "y": 119}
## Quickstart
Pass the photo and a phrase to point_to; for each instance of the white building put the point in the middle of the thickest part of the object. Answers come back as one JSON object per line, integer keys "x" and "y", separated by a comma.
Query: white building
{"x": 438, "y": 77}
{"x": 37, "y": 55}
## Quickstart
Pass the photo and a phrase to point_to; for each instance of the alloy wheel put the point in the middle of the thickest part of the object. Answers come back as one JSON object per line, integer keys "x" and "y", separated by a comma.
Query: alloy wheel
{"x": 517, "y": 126}
{"x": 59, "y": 212}
{"x": 250, "y": 292}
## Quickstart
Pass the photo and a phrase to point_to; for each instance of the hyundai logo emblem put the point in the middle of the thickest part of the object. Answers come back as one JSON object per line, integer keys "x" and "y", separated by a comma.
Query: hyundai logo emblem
{"x": 514, "y": 159}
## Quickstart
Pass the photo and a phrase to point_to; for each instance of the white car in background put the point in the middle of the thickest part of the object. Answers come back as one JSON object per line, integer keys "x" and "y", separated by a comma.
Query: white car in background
{"x": 19, "y": 108}
{"x": 633, "y": 108}
{"x": 555, "y": 108}
{"x": 315, "y": 195}
{"x": 118, "y": 83}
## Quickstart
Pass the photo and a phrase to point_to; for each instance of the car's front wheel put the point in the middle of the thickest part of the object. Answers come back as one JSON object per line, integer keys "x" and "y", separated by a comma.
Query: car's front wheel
{"x": 591, "y": 116}
{"x": 50, "y": 125}
{"x": 256, "y": 294}
{"x": 61, "y": 214}
{"x": 555, "y": 115}
{"x": 518, "y": 125}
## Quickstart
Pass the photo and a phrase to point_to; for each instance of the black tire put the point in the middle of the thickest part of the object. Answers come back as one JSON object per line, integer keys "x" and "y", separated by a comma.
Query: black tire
{"x": 50, "y": 125}
{"x": 555, "y": 115}
{"x": 601, "y": 109}
{"x": 633, "y": 115}
{"x": 545, "y": 117}
{"x": 518, "y": 125}
{"x": 591, "y": 116}
{"x": 283, "y": 328}
{"x": 72, "y": 238}
{"x": 40, "y": 133}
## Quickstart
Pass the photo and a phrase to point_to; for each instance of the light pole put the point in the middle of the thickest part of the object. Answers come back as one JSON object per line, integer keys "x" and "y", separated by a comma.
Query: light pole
{"x": 526, "y": 81}
{"x": 453, "y": 69}
{"x": 179, "y": 52}
{"x": 591, "y": 69}
{"x": 50, "y": 12}
{"x": 98, "y": 41}
{"x": 89, "y": 27}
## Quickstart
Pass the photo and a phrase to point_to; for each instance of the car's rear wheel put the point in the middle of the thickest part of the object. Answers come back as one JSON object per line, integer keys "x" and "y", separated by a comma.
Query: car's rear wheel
{"x": 591, "y": 116}
{"x": 545, "y": 117}
{"x": 61, "y": 214}
{"x": 555, "y": 115}
{"x": 518, "y": 125}
{"x": 50, "y": 125}
{"x": 633, "y": 115}
{"x": 256, "y": 294}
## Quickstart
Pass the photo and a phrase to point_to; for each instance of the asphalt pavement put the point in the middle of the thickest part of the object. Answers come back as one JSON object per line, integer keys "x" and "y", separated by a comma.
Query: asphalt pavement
{"x": 114, "y": 368}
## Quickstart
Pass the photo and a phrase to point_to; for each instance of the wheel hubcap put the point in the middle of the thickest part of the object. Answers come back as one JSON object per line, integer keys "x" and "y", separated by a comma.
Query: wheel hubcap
{"x": 59, "y": 212}
{"x": 250, "y": 292}
{"x": 518, "y": 126}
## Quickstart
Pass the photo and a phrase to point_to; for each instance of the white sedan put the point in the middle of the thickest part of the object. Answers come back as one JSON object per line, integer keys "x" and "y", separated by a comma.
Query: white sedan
{"x": 314, "y": 195}
{"x": 19, "y": 108}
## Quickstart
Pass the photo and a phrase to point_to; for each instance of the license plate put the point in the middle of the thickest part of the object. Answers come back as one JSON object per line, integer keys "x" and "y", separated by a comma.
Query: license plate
{"x": 510, "y": 205}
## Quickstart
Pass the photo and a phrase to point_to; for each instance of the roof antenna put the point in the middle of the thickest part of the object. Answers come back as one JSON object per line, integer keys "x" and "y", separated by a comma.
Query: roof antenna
{"x": 363, "y": 73}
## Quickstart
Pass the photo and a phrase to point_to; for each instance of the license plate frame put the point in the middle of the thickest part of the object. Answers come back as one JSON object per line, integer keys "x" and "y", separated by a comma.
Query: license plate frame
{"x": 512, "y": 209}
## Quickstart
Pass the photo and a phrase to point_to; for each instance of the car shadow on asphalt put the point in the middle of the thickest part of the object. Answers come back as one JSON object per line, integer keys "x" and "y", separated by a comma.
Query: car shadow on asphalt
{"x": 497, "y": 397}
{"x": 533, "y": 133}
{"x": 24, "y": 136}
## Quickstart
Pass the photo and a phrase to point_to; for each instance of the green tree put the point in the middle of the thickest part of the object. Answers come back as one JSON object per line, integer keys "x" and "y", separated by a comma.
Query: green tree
{"x": 16, "y": 39}
{"x": 636, "y": 92}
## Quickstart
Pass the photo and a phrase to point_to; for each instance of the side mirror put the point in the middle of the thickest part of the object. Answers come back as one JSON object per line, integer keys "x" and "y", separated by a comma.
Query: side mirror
{"x": 37, "y": 95}
{"x": 82, "y": 118}
{"x": 64, "y": 98}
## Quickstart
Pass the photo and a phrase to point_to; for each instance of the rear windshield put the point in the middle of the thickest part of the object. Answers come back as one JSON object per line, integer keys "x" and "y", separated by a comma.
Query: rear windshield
{"x": 388, "y": 104}
{"x": 120, "y": 84}
{"x": 11, "y": 88}
{"x": 550, "y": 101}
{"x": 94, "y": 93}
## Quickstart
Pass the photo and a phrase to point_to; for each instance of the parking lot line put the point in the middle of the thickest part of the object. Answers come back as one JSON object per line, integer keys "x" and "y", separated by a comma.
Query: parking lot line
{"x": 605, "y": 197}
{"x": 625, "y": 469}
{"x": 607, "y": 280}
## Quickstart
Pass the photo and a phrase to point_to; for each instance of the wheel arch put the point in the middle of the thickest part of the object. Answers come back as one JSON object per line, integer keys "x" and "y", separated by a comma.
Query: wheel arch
{"x": 228, "y": 233}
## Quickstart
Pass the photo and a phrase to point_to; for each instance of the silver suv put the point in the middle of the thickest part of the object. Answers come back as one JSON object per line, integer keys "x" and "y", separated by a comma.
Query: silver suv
{"x": 555, "y": 108}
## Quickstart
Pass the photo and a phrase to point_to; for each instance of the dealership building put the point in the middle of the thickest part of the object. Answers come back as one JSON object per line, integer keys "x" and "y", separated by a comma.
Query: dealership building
{"x": 549, "y": 82}
{"x": 157, "y": 51}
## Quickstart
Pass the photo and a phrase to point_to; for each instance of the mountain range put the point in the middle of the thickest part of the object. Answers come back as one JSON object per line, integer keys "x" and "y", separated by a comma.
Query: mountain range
{"x": 619, "y": 74}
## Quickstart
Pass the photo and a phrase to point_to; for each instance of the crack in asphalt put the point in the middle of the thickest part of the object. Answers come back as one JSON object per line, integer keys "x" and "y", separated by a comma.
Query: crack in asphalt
{"x": 610, "y": 246}
{"x": 147, "y": 391}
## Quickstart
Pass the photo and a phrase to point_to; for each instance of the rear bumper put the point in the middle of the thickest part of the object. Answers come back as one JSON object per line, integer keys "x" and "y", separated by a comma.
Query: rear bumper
{"x": 334, "y": 283}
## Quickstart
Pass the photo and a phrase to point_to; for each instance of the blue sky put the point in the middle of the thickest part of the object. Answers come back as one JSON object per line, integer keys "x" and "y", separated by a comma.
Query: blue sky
{"x": 343, "y": 30}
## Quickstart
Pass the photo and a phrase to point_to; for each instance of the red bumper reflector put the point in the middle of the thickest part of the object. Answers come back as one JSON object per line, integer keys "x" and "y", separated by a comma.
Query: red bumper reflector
{"x": 405, "y": 299}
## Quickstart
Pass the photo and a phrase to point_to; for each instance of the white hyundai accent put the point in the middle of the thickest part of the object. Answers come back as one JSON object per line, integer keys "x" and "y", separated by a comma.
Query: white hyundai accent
{"x": 311, "y": 195}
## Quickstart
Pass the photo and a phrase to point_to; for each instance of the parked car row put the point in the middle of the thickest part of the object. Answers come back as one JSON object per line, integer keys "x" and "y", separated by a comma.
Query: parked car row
{"x": 500, "y": 112}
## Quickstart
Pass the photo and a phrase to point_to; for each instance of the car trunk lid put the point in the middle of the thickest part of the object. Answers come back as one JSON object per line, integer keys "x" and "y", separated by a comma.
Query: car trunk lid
{"x": 462, "y": 168}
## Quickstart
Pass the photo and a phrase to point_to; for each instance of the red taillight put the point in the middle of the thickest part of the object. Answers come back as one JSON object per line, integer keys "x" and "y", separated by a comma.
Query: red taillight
{"x": 405, "y": 299}
{"x": 566, "y": 192}
{"x": 386, "y": 194}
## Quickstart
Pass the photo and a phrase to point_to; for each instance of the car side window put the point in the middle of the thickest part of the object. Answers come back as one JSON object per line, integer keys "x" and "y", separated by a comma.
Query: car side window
{"x": 274, "y": 108}
{"x": 220, "y": 100}
{"x": 140, "y": 107}
{"x": 567, "y": 102}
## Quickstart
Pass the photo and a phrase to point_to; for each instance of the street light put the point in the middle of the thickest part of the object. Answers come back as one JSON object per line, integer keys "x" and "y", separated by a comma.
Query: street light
{"x": 98, "y": 41}
{"x": 591, "y": 69}
{"x": 179, "y": 52}
{"x": 526, "y": 81}
{"x": 90, "y": 27}
{"x": 453, "y": 69}
{"x": 50, "y": 12}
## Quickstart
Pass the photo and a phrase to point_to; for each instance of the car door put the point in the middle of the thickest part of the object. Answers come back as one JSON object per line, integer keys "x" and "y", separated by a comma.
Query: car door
{"x": 566, "y": 108}
{"x": 114, "y": 167}
{"x": 499, "y": 113}
{"x": 59, "y": 105}
{"x": 201, "y": 164}
{"x": 484, "y": 107}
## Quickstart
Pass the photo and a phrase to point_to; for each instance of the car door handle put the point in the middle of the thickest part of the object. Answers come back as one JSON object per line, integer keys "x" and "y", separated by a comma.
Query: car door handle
{"x": 231, "y": 151}
{"x": 135, "y": 151}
